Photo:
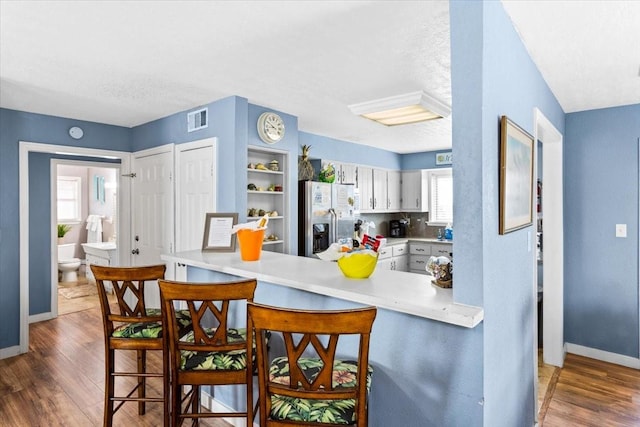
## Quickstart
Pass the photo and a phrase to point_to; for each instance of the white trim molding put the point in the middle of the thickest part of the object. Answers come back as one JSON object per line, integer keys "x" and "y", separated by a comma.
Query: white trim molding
{"x": 605, "y": 356}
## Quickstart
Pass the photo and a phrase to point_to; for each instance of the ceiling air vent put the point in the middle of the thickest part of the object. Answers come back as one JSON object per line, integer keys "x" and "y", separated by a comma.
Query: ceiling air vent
{"x": 197, "y": 120}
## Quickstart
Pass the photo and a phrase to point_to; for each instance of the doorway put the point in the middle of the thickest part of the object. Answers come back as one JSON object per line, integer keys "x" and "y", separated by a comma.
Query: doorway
{"x": 25, "y": 148}
{"x": 550, "y": 219}
{"x": 84, "y": 202}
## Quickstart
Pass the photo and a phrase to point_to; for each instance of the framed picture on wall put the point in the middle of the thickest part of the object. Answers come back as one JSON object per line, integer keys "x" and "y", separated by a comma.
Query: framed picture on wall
{"x": 516, "y": 177}
{"x": 217, "y": 232}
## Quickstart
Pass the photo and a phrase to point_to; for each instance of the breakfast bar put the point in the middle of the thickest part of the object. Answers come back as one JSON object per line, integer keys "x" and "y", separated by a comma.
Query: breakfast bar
{"x": 423, "y": 373}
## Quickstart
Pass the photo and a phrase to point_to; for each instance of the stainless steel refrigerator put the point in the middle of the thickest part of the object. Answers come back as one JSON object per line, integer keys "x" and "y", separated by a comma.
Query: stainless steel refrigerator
{"x": 326, "y": 215}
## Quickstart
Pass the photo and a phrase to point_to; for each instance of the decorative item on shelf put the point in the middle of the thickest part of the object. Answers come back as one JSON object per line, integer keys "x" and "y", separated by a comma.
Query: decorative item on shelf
{"x": 278, "y": 188}
{"x": 251, "y": 166}
{"x": 328, "y": 174}
{"x": 261, "y": 167}
{"x": 441, "y": 268}
{"x": 273, "y": 165}
{"x": 252, "y": 187}
{"x": 305, "y": 168}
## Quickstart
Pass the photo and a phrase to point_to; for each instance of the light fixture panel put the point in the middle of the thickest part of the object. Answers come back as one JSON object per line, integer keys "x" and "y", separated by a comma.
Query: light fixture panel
{"x": 402, "y": 109}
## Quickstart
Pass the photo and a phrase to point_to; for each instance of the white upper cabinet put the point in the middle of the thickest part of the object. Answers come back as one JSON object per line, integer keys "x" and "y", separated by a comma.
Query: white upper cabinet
{"x": 379, "y": 190}
{"x": 346, "y": 173}
{"x": 365, "y": 187}
{"x": 394, "y": 191}
{"x": 415, "y": 191}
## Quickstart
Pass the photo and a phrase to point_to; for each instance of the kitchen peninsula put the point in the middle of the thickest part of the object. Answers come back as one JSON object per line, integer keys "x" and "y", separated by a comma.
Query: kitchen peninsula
{"x": 423, "y": 374}
{"x": 397, "y": 291}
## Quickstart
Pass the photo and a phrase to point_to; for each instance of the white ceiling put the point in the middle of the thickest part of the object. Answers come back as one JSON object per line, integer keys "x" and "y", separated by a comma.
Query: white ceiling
{"x": 128, "y": 63}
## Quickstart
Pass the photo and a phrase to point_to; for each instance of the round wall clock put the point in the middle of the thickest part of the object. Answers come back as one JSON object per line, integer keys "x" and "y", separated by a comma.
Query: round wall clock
{"x": 76, "y": 132}
{"x": 270, "y": 127}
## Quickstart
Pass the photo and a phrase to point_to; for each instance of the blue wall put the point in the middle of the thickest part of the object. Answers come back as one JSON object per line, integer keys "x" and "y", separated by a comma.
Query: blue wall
{"x": 18, "y": 126}
{"x": 425, "y": 371}
{"x": 493, "y": 75}
{"x": 601, "y": 190}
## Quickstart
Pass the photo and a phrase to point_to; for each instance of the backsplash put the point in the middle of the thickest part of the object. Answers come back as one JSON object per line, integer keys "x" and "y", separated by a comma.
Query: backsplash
{"x": 417, "y": 223}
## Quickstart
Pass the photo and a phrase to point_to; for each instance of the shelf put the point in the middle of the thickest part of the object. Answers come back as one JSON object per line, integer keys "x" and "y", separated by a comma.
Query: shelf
{"x": 265, "y": 192}
{"x": 259, "y": 217}
{"x": 265, "y": 171}
{"x": 272, "y": 242}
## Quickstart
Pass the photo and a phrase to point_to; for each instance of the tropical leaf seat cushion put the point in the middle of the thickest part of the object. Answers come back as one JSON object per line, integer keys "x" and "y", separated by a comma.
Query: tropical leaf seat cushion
{"x": 151, "y": 329}
{"x": 216, "y": 360}
{"x": 317, "y": 411}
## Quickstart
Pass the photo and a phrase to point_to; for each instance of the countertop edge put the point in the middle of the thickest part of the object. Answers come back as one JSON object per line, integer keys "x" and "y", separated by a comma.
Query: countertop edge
{"x": 438, "y": 306}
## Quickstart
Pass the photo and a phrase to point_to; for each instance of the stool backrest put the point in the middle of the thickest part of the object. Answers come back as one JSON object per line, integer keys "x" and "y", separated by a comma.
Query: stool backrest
{"x": 306, "y": 332}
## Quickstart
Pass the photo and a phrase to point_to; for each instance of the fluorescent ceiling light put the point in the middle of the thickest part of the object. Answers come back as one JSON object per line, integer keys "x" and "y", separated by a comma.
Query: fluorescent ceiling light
{"x": 402, "y": 109}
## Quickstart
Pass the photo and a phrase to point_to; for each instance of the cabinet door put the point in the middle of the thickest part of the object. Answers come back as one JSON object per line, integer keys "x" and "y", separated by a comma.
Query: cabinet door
{"x": 394, "y": 191}
{"x": 379, "y": 190}
{"x": 365, "y": 186}
{"x": 348, "y": 173}
{"x": 385, "y": 264}
{"x": 401, "y": 263}
{"x": 415, "y": 191}
{"x": 442, "y": 249}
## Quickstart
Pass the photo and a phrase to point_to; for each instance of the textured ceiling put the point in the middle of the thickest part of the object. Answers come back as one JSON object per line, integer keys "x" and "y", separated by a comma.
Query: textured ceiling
{"x": 128, "y": 63}
{"x": 587, "y": 51}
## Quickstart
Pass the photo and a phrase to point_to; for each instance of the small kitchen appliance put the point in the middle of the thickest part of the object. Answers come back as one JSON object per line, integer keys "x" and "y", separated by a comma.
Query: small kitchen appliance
{"x": 398, "y": 227}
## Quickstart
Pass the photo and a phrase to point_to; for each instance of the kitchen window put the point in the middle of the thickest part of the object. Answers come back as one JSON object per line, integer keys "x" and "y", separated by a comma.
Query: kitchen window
{"x": 441, "y": 189}
{"x": 69, "y": 192}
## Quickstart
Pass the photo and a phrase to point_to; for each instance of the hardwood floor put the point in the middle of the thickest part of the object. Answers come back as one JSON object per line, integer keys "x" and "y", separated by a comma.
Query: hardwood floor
{"x": 590, "y": 393}
{"x": 60, "y": 383}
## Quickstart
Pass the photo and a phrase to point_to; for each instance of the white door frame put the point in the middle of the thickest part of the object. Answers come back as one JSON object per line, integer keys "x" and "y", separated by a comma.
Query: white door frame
{"x": 553, "y": 352}
{"x": 25, "y": 148}
{"x": 54, "y": 221}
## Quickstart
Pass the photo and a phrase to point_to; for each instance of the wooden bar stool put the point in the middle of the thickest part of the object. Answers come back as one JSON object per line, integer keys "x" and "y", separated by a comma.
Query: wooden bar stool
{"x": 309, "y": 385}
{"x": 132, "y": 327}
{"x": 214, "y": 352}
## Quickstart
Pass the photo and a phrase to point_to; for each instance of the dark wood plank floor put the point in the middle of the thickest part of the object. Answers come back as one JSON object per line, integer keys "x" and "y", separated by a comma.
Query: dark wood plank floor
{"x": 593, "y": 393}
{"x": 60, "y": 383}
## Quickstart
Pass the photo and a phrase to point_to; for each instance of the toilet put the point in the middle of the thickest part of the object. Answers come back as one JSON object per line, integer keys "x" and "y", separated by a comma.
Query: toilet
{"x": 67, "y": 264}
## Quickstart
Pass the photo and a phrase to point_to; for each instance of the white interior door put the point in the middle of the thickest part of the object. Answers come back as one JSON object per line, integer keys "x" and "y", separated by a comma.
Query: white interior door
{"x": 195, "y": 191}
{"x": 153, "y": 207}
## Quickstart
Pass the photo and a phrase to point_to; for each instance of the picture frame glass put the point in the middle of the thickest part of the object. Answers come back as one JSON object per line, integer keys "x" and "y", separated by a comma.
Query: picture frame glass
{"x": 516, "y": 177}
{"x": 218, "y": 235}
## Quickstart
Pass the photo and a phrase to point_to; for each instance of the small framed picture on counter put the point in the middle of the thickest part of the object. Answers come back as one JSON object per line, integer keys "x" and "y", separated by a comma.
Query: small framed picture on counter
{"x": 516, "y": 177}
{"x": 218, "y": 236}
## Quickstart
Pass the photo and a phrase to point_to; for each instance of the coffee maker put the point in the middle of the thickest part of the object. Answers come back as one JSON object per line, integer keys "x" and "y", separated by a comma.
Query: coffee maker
{"x": 398, "y": 227}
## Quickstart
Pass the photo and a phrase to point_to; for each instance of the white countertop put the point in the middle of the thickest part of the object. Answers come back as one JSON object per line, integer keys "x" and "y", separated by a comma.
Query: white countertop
{"x": 393, "y": 290}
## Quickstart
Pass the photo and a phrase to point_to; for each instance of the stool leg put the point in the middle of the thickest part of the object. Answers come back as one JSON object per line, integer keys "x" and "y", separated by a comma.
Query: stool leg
{"x": 142, "y": 381}
{"x": 109, "y": 387}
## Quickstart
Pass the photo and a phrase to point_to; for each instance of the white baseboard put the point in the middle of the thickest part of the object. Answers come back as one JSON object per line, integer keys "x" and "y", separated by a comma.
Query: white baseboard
{"x": 214, "y": 405}
{"x": 8, "y": 352}
{"x": 40, "y": 317}
{"x": 605, "y": 356}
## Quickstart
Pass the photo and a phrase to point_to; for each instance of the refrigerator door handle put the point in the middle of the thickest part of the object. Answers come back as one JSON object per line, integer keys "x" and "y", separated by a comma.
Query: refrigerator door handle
{"x": 334, "y": 225}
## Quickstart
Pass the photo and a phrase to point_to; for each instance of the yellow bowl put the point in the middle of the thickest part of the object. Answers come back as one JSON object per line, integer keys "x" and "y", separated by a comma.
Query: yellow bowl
{"x": 358, "y": 265}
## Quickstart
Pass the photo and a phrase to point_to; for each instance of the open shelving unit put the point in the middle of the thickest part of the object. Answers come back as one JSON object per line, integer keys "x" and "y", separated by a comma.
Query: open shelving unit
{"x": 269, "y": 195}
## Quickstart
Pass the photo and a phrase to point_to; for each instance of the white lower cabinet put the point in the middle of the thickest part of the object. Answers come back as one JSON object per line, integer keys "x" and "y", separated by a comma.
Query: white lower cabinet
{"x": 420, "y": 252}
{"x": 394, "y": 257}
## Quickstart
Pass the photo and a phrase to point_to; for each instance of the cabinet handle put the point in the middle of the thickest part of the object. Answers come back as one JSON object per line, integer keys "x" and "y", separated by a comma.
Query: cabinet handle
{"x": 135, "y": 252}
{"x": 419, "y": 250}
{"x": 417, "y": 203}
{"x": 370, "y": 202}
{"x": 375, "y": 203}
{"x": 420, "y": 262}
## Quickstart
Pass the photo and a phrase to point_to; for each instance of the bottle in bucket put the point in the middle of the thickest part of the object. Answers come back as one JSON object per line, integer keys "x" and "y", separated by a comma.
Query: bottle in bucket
{"x": 250, "y": 238}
